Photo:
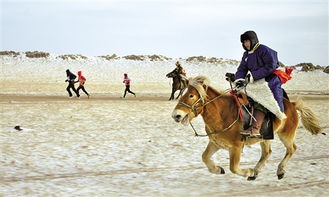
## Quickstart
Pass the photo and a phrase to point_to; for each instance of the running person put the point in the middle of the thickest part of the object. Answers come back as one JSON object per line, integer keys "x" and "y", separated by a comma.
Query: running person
{"x": 82, "y": 80}
{"x": 126, "y": 81}
{"x": 70, "y": 78}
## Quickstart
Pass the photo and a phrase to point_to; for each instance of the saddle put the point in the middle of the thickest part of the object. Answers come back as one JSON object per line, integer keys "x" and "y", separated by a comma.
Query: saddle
{"x": 247, "y": 108}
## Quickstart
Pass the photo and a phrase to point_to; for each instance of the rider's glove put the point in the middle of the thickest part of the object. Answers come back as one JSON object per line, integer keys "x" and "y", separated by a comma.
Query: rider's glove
{"x": 239, "y": 83}
{"x": 229, "y": 76}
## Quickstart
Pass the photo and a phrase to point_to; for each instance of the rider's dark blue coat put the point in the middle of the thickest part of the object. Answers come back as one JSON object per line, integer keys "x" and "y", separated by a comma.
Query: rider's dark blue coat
{"x": 262, "y": 61}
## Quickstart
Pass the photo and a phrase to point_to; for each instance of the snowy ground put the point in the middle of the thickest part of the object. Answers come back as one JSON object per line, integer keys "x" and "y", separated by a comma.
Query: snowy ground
{"x": 107, "y": 146}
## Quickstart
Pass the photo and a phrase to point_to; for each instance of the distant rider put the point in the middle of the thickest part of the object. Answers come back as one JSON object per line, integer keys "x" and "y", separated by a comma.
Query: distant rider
{"x": 181, "y": 73}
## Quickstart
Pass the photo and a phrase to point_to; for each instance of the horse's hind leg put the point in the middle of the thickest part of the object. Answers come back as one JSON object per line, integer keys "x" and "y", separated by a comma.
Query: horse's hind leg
{"x": 171, "y": 97}
{"x": 180, "y": 93}
{"x": 206, "y": 158}
{"x": 288, "y": 141}
{"x": 266, "y": 152}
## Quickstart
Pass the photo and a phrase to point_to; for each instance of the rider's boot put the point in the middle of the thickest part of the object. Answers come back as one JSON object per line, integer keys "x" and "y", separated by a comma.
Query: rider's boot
{"x": 254, "y": 130}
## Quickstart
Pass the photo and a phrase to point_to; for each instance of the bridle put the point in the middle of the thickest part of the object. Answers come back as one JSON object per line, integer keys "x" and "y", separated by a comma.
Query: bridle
{"x": 193, "y": 107}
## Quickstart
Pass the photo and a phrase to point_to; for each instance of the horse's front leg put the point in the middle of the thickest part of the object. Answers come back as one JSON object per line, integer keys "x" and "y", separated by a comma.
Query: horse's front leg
{"x": 266, "y": 152}
{"x": 172, "y": 93}
{"x": 235, "y": 154}
{"x": 206, "y": 158}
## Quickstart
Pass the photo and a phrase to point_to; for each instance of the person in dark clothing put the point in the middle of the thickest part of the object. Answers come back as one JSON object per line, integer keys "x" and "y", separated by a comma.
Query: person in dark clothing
{"x": 82, "y": 80}
{"x": 181, "y": 73}
{"x": 70, "y": 79}
{"x": 262, "y": 62}
{"x": 126, "y": 81}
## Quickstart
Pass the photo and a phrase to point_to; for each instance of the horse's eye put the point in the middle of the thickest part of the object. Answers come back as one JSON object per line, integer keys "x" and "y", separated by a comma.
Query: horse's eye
{"x": 191, "y": 95}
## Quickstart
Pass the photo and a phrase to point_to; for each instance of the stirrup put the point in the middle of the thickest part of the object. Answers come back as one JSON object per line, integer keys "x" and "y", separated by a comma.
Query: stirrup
{"x": 257, "y": 135}
{"x": 245, "y": 133}
{"x": 248, "y": 133}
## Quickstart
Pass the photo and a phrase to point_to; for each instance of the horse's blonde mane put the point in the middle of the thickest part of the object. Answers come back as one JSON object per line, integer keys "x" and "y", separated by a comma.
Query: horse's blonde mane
{"x": 198, "y": 83}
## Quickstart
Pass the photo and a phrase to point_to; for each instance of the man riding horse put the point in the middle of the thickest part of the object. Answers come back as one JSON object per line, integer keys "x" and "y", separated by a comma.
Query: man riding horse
{"x": 181, "y": 73}
{"x": 261, "y": 61}
{"x": 179, "y": 80}
{"x": 221, "y": 112}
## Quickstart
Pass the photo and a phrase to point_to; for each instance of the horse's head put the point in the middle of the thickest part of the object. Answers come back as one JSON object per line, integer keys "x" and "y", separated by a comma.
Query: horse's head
{"x": 190, "y": 105}
{"x": 172, "y": 74}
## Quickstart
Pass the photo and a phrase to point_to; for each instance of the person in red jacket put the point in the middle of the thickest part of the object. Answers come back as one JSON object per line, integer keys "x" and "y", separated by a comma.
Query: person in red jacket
{"x": 126, "y": 81}
{"x": 82, "y": 80}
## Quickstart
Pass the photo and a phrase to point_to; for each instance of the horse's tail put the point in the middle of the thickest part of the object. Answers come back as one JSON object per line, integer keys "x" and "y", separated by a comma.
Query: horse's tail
{"x": 309, "y": 119}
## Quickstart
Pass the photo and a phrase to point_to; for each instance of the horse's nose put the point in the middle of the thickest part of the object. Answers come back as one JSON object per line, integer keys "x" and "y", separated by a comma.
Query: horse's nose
{"x": 178, "y": 117}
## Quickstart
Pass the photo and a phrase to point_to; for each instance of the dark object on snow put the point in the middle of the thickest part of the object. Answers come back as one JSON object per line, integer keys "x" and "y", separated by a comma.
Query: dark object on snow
{"x": 323, "y": 133}
{"x": 18, "y": 128}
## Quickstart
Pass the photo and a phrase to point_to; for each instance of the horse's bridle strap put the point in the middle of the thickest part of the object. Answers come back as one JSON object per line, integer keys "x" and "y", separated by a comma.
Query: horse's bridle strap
{"x": 192, "y": 107}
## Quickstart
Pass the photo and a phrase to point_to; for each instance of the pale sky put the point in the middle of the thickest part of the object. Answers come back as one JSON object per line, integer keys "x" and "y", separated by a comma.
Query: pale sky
{"x": 296, "y": 29}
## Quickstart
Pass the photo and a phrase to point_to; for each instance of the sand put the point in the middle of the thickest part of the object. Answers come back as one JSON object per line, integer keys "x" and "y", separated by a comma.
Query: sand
{"x": 108, "y": 146}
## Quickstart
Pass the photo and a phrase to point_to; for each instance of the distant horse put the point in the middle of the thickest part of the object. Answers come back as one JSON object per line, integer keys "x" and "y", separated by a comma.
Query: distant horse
{"x": 220, "y": 115}
{"x": 177, "y": 84}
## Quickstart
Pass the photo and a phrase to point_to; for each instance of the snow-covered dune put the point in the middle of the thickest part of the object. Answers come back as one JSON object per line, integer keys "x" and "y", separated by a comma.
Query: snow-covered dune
{"x": 147, "y": 76}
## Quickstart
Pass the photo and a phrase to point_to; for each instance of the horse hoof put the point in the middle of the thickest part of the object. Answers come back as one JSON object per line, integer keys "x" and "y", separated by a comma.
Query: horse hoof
{"x": 219, "y": 170}
{"x": 252, "y": 178}
{"x": 280, "y": 176}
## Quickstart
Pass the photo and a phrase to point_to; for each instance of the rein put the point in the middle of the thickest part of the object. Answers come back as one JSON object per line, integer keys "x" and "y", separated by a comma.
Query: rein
{"x": 215, "y": 132}
{"x": 226, "y": 91}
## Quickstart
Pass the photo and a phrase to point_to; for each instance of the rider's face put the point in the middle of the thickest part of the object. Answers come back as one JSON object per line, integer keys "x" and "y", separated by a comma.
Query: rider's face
{"x": 247, "y": 44}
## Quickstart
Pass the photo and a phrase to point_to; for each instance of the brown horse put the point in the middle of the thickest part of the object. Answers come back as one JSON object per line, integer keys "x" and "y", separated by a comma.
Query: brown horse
{"x": 176, "y": 85}
{"x": 220, "y": 114}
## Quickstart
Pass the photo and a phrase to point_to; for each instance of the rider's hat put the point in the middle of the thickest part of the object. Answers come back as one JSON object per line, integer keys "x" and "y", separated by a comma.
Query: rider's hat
{"x": 249, "y": 35}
